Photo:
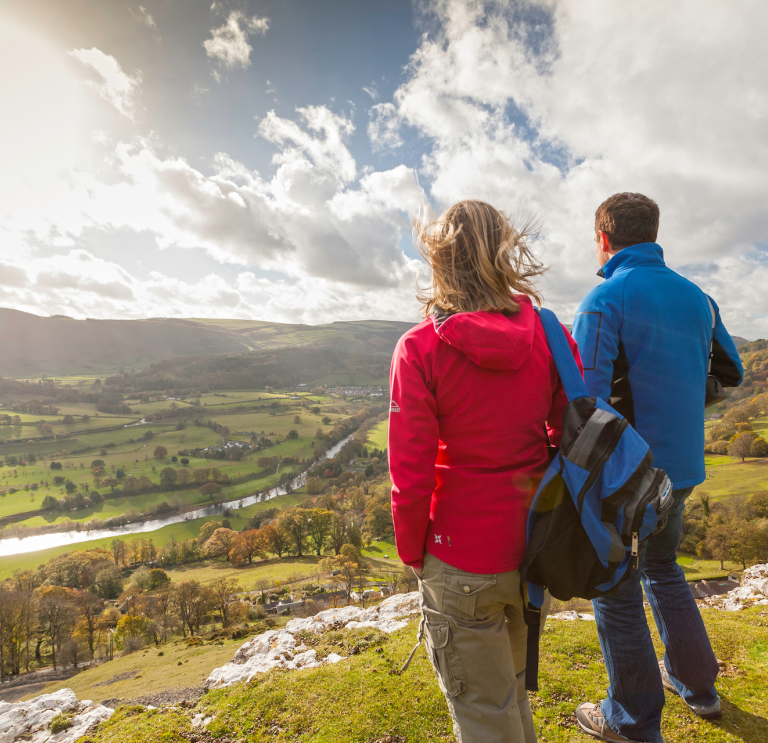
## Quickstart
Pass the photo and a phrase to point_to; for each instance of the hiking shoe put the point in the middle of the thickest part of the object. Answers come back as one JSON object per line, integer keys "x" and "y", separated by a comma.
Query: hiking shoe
{"x": 592, "y": 722}
{"x": 713, "y": 712}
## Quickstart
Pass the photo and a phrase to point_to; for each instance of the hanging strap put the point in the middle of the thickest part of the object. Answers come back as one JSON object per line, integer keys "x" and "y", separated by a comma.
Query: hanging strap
{"x": 711, "y": 342}
{"x": 419, "y": 638}
{"x": 573, "y": 382}
{"x": 532, "y": 616}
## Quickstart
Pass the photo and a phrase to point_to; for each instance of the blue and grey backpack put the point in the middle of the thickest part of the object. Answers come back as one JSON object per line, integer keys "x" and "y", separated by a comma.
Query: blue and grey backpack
{"x": 599, "y": 499}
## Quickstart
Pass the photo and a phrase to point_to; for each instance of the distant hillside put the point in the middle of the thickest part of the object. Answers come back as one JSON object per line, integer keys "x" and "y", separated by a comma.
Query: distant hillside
{"x": 283, "y": 367}
{"x": 739, "y": 341}
{"x": 33, "y": 346}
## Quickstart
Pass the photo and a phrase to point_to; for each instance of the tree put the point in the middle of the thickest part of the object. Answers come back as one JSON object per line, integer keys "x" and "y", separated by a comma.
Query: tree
{"x": 148, "y": 436}
{"x": 117, "y": 547}
{"x": 160, "y": 452}
{"x": 220, "y": 543}
{"x": 131, "y": 626}
{"x": 222, "y": 594}
{"x": 293, "y": 434}
{"x": 56, "y": 615}
{"x": 183, "y": 477}
{"x": 759, "y": 448}
{"x": 320, "y": 523}
{"x": 184, "y": 461}
{"x": 276, "y": 538}
{"x": 69, "y": 486}
{"x": 741, "y": 445}
{"x": 719, "y": 541}
{"x": 157, "y": 578}
{"x": 268, "y": 462}
{"x": 11, "y": 624}
{"x": 378, "y": 520}
{"x": 297, "y": 419}
{"x": 326, "y": 421}
{"x": 68, "y": 420}
{"x": 408, "y": 580}
{"x": 314, "y": 486}
{"x": 759, "y": 501}
{"x": 168, "y": 477}
{"x": 206, "y": 531}
{"x": 111, "y": 482}
{"x": 210, "y": 489}
{"x": 89, "y": 606}
{"x": 296, "y": 522}
{"x": 49, "y": 503}
{"x": 192, "y": 602}
{"x": 108, "y": 583}
{"x": 245, "y": 546}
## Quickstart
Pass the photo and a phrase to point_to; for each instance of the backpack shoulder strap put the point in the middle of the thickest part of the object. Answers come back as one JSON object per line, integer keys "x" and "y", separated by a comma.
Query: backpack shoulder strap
{"x": 573, "y": 382}
{"x": 712, "y": 340}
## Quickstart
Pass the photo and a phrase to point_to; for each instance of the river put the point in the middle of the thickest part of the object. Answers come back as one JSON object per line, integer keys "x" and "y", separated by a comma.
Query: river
{"x": 21, "y": 545}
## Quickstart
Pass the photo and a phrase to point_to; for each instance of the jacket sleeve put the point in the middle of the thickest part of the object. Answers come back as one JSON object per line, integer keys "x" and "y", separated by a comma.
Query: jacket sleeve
{"x": 559, "y": 398}
{"x": 413, "y": 442}
{"x": 726, "y": 363}
{"x": 596, "y": 331}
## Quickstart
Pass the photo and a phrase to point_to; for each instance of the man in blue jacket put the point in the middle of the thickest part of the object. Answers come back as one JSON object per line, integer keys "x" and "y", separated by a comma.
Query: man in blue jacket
{"x": 645, "y": 336}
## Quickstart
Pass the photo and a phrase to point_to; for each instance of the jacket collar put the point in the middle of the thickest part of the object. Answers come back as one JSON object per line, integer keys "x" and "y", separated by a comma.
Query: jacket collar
{"x": 642, "y": 254}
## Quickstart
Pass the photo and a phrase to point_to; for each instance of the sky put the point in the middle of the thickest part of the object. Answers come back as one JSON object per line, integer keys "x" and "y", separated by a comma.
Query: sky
{"x": 264, "y": 159}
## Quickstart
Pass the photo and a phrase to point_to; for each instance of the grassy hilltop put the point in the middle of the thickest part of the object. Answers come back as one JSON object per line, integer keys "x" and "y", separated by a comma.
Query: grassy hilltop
{"x": 363, "y": 699}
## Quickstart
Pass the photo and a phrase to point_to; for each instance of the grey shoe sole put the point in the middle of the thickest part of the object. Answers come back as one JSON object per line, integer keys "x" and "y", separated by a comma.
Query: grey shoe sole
{"x": 705, "y": 713}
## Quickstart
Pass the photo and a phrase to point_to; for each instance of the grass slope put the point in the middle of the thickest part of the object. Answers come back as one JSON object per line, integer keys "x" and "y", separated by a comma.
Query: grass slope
{"x": 362, "y": 700}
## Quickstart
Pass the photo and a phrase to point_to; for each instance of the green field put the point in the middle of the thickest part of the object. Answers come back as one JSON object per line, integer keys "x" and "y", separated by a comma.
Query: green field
{"x": 161, "y": 537}
{"x": 378, "y": 435}
{"x": 726, "y": 476}
{"x": 125, "y": 449}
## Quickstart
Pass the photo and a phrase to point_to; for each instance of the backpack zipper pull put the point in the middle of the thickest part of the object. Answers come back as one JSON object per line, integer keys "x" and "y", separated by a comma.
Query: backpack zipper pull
{"x": 635, "y": 548}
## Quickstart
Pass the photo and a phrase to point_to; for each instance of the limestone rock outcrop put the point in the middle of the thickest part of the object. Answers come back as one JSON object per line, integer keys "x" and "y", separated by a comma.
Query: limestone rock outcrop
{"x": 281, "y": 649}
{"x": 753, "y": 591}
{"x": 31, "y": 721}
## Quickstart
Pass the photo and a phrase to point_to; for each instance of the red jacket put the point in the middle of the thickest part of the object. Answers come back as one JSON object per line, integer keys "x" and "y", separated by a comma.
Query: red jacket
{"x": 470, "y": 397}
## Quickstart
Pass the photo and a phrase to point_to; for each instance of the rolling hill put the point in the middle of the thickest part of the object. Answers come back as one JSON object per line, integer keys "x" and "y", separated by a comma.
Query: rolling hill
{"x": 33, "y": 345}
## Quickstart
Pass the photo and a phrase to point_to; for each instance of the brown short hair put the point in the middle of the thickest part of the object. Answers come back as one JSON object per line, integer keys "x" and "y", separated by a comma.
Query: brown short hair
{"x": 628, "y": 219}
{"x": 478, "y": 260}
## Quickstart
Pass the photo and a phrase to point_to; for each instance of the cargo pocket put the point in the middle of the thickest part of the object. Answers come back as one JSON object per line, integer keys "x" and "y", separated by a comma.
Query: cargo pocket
{"x": 444, "y": 656}
{"x": 461, "y": 591}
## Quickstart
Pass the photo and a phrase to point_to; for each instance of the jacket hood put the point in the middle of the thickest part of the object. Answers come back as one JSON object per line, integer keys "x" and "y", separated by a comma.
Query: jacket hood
{"x": 490, "y": 339}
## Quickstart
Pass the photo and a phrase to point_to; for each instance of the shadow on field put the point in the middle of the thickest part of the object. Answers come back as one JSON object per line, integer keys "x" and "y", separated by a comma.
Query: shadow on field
{"x": 744, "y": 725}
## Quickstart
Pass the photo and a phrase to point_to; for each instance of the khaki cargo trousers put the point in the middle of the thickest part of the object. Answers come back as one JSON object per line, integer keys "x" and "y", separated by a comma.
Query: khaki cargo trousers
{"x": 476, "y": 639}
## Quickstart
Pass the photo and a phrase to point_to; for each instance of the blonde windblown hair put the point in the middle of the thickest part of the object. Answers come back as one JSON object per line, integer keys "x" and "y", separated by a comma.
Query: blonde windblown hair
{"x": 478, "y": 260}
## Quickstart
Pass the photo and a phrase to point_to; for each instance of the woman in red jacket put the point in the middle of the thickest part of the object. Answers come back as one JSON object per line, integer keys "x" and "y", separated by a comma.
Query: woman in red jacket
{"x": 474, "y": 394}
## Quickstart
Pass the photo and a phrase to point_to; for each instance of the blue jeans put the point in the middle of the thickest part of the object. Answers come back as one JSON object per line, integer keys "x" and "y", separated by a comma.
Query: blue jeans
{"x": 636, "y": 695}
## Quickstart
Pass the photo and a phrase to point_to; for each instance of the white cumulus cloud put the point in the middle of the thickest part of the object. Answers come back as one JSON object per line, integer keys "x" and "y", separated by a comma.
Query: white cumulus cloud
{"x": 114, "y": 86}
{"x": 229, "y": 43}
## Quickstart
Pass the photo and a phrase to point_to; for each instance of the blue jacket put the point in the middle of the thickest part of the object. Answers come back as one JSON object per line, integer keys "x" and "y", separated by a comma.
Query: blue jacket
{"x": 644, "y": 337}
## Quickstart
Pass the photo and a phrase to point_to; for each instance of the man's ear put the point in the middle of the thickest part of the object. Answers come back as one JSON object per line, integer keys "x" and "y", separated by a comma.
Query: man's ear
{"x": 605, "y": 242}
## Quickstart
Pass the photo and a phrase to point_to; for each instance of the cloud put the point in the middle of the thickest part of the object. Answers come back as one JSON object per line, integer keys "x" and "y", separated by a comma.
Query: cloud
{"x": 81, "y": 285}
{"x": 309, "y": 219}
{"x": 115, "y": 86}
{"x": 372, "y": 91}
{"x": 384, "y": 127}
{"x": 144, "y": 17}
{"x": 229, "y": 43}
{"x": 521, "y": 107}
